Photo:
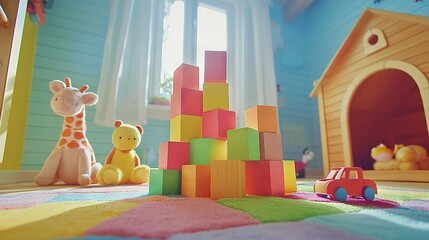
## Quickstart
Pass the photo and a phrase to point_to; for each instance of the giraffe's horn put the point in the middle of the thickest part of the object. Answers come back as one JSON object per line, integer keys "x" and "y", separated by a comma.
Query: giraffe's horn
{"x": 83, "y": 88}
{"x": 68, "y": 82}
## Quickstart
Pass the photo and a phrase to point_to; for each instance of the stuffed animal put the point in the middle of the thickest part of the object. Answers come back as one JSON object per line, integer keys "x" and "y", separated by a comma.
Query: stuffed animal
{"x": 73, "y": 159}
{"x": 122, "y": 165}
{"x": 410, "y": 157}
{"x": 307, "y": 156}
{"x": 383, "y": 157}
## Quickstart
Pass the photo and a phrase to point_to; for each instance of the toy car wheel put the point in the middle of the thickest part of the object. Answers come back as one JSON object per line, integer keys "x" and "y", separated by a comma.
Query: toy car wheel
{"x": 340, "y": 194}
{"x": 368, "y": 193}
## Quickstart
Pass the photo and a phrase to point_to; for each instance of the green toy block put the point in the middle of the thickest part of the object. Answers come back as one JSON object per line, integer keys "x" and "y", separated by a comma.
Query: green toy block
{"x": 243, "y": 144}
{"x": 165, "y": 182}
{"x": 204, "y": 150}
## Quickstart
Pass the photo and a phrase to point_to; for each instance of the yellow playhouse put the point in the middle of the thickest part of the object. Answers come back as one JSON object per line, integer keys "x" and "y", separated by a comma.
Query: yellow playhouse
{"x": 376, "y": 90}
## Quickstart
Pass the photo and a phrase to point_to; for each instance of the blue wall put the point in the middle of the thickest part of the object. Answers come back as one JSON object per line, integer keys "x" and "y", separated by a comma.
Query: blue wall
{"x": 314, "y": 38}
{"x": 71, "y": 44}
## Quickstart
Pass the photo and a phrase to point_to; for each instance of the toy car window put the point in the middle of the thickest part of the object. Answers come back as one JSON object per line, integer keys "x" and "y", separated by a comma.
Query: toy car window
{"x": 332, "y": 174}
{"x": 353, "y": 175}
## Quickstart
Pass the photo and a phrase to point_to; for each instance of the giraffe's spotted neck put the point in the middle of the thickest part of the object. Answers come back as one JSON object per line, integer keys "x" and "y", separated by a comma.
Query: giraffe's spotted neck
{"x": 73, "y": 134}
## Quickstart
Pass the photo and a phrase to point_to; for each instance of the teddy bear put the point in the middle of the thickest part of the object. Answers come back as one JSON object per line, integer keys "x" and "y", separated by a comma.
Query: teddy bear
{"x": 122, "y": 165}
{"x": 383, "y": 157}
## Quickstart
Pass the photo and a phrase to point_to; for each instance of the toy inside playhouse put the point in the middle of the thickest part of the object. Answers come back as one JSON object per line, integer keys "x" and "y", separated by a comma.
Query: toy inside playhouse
{"x": 386, "y": 108}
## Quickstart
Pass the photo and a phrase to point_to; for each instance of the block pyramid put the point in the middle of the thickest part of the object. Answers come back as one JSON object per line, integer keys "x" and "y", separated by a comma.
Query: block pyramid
{"x": 207, "y": 156}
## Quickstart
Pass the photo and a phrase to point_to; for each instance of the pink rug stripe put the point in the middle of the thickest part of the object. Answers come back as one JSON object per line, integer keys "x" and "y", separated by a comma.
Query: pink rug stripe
{"x": 176, "y": 215}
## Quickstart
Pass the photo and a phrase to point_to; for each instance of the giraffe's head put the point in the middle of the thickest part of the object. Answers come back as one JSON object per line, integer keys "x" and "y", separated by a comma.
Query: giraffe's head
{"x": 69, "y": 101}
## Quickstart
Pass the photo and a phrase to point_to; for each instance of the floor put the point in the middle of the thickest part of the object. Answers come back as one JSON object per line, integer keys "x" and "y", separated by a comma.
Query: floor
{"x": 30, "y": 186}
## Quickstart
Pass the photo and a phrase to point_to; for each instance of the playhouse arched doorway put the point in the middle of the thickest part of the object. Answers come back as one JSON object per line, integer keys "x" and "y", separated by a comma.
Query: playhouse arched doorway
{"x": 386, "y": 108}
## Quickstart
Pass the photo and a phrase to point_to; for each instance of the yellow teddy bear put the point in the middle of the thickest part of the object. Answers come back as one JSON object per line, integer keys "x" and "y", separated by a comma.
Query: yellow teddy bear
{"x": 122, "y": 165}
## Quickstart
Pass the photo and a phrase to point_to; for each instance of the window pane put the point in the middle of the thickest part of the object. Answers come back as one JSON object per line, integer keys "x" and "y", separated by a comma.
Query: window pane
{"x": 172, "y": 48}
{"x": 211, "y": 34}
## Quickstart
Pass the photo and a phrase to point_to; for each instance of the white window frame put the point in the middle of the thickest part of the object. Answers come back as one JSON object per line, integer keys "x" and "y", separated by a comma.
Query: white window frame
{"x": 160, "y": 112}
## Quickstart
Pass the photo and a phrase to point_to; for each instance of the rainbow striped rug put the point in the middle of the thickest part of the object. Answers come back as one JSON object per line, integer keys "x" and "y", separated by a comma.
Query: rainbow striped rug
{"x": 127, "y": 212}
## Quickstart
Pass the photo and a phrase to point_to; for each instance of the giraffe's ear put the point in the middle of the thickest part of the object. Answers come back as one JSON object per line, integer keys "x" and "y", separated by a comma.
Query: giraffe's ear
{"x": 90, "y": 98}
{"x": 56, "y": 85}
{"x": 140, "y": 128}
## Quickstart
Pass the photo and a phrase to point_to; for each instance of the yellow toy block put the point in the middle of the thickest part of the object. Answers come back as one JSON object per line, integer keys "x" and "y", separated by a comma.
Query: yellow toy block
{"x": 289, "y": 176}
{"x": 228, "y": 179}
{"x": 262, "y": 118}
{"x": 183, "y": 128}
{"x": 196, "y": 181}
{"x": 215, "y": 96}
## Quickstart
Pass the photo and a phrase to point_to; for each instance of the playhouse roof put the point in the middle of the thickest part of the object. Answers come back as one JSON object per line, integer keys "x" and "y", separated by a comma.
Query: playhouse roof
{"x": 368, "y": 13}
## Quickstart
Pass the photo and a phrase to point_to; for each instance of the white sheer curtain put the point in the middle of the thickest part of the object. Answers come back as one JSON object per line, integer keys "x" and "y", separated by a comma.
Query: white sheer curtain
{"x": 131, "y": 57}
{"x": 251, "y": 64}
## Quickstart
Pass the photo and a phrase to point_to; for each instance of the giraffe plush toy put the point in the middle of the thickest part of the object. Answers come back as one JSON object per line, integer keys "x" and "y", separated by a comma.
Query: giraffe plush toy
{"x": 73, "y": 159}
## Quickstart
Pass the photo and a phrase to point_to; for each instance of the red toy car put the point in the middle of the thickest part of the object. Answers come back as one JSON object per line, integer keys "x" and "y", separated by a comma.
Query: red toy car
{"x": 343, "y": 182}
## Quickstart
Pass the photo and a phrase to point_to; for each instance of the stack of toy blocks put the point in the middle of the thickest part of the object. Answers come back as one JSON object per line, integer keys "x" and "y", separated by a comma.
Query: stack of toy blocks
{"x": 185, "y": 124}
{"x": 198, "y": 177}
{"x": 267, "y": 175}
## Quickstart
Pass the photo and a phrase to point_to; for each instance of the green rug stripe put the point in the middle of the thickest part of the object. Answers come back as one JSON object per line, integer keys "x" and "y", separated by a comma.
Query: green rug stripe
{"x": 273, "y": 209}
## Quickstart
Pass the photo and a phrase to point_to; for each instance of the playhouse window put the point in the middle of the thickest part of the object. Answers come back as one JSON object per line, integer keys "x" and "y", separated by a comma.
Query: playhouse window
{"x": 190, "y": 28}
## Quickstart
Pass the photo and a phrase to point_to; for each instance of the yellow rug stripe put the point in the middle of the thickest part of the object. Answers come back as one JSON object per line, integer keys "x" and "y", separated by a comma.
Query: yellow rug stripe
{"x": 56, "y": 220}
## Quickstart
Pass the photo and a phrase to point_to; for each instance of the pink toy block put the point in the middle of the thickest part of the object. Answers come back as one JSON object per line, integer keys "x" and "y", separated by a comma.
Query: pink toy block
{"x": 265, "y": 178}
{"x": 215, "y": 66}
{"x": 270, "y": 146}
{"x": 186, "y": 76}
{"x": 187, "y": 102}
{"x": 217, "y": 122}
{"x": 172, "y": 155}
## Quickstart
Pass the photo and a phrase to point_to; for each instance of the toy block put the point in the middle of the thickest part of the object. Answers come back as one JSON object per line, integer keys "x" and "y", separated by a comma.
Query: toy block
{"x": 172, "y": 155}
{"x": 215, "y": 66}
{"x": 270, "y": 146}
{"x": 185, "y": 127}
{"x": 165, "y": 182}
{"x": 243, "y": 144}
{"x": 289, "y": 176}
{"x": 265, "y": 178}
{"x": 186, "y": 102}
{"x": 217, "y": 122}
{"x": 204, "y": 150}
{"x": 227, "y": 179}
{"x": 262, "y": 118}
{"x": 196, "y": 181}
{"x": 215, "y": 96}
{"x": 186, "y": 76}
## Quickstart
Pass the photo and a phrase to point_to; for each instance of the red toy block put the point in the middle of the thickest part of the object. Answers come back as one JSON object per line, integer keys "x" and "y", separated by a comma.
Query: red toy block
{"x": 265, "y": 178}
{"x": 215, "y": 66}
{"x": 186, "y": 76}
{"x": 217, "y": 122}
{"x": 196, "y": 181}
{"x": 186, "y": 102}
{"x": 172, "y": 155}
{"x": 270, "y": 146}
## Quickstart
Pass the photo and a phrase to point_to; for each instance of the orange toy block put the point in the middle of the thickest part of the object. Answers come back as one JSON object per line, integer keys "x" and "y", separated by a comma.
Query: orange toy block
{"x": 215, "y": 96}
{"x": 183, "y": 128}
{"x": 215, "y": 66}
{"x": 262, "y": 118}
{"x": 186, "y": 76}
{"x": 217, "y": 122}
{"x": 265, "y": 178}
{"x": 227, "y": 179}
{"x": 270, "y": 146}
{"x": 196, "y": 181}
{"x": 289, "y": 176}
{"x": 186, "y": 102}
{"x": 172, "y": 155}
